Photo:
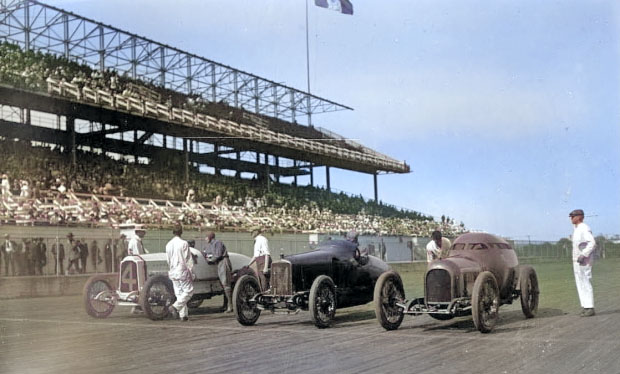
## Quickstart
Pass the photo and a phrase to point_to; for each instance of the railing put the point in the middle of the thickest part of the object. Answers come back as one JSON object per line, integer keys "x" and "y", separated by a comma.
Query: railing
{"x": 227, "y": 127}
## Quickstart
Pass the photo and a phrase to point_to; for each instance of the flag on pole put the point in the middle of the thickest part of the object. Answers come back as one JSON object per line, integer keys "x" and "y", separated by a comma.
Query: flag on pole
{"x": 342, "y": 6}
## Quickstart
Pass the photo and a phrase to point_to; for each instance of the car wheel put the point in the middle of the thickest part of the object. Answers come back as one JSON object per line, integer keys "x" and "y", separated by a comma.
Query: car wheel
{"x": 528, "y": 283}
{"x": 441, "y": 317}
{"x": 193, "y": 304}
{"x": 157, "y": 296}
{"x": 246, "y": 310}
{"x": 99, "y": 297}
{"x": 485, "y": 302}
{"x": 388, "y": 291}
{"x": 322, "y": 301}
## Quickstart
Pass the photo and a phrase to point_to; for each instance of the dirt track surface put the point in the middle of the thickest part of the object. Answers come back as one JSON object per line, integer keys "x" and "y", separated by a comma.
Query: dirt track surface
{"x": 55, "y": 335}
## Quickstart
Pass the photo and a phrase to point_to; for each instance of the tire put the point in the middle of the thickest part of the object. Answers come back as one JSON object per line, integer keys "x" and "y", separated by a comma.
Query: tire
{"x": 441, "y": 317}
{"x": 388, "y": 291}
{"x": 322, "y": 301}
{"x": 485, "y": 302}
{"x": 245, "y": 288}
{"x": 104, "y": 305}
{"x": 528, "y": 284}
{"x": 156, "y": 297}
{"x": 194, "y": 304}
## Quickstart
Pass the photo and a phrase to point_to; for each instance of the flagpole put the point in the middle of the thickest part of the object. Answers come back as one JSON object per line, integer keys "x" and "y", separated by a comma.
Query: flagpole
{"x": 308, "y": 66}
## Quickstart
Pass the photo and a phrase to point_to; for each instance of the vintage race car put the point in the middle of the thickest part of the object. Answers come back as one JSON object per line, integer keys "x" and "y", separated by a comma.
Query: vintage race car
{"x": 481, "y": 273}
{"x": 335, "y": 275}
{"x": 143, "y": 281}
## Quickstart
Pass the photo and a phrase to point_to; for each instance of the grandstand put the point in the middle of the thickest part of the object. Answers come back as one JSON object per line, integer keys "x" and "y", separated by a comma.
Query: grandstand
{"x": 72, "y": 88}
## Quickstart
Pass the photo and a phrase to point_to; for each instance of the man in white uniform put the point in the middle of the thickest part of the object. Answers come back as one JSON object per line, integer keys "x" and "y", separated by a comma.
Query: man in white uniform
{"x": 135, "y": 246}
{"x": 261, "y": 260}
{"x": 583, "y": 253}
{"x": 438, "y": 247}
{"x": 180, "y": 262}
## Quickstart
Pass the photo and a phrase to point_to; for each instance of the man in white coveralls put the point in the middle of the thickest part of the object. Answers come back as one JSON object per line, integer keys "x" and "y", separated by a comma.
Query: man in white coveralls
{"x": 180, "y": 262}
{"x": 583, "y": 253}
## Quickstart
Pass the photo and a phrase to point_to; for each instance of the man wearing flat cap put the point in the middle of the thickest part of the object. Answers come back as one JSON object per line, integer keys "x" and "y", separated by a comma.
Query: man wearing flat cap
{"x": 583, "y": 253}
{"x": 216, "y": 254}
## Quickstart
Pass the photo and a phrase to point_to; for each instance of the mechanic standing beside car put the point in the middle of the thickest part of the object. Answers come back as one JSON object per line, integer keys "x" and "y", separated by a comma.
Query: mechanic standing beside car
{"x": 438, "y": 247}
{"x": 583, "y": 253}
{"x": 216, "y": 254}
{"x": 180, "y": 262}
{"x": 262, "y": 256}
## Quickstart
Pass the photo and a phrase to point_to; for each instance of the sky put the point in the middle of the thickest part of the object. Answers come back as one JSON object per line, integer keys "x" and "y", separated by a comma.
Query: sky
{"x": 507, "y": 112}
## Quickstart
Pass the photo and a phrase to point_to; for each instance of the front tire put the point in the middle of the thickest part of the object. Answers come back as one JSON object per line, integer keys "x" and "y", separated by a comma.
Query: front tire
{"x": 485, "y": 302}
{"x": 528, "y": 284}
{"x": 99, "y": 297}
{"x": 322, "y": 301}
{"x": 246, "y": 311}
{"x": 388, "y": 291}
{"x": 156, "y": 296}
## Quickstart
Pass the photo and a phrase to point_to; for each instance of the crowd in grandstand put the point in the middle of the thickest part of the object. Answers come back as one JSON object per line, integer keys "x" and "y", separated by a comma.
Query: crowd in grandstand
{"x": 41, "y": 185}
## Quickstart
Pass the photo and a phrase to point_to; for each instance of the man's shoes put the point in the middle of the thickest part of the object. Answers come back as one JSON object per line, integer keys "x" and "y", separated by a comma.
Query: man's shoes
{"x": 136, "y": 310}
{"x": 588, "y": 312}
{"x": 228, "y": 310}
{"x": 173, "y": 312}
{"x": 185, "y": 319}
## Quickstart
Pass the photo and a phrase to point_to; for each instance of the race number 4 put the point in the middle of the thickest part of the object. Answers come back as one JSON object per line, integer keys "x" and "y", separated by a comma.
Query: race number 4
{"x": 129, "y": 279}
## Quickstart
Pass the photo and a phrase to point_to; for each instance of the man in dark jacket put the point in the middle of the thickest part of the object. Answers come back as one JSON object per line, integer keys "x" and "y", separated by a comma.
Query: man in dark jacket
{"x": 216, "y": 254}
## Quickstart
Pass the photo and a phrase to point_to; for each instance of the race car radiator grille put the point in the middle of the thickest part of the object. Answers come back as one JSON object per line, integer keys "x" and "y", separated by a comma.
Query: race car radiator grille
{"x": 281, "y": 278}
{"x": 438, "y": 286}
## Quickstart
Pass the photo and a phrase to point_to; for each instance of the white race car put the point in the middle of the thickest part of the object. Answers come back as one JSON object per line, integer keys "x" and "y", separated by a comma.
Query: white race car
{"x": 143, "y": 281}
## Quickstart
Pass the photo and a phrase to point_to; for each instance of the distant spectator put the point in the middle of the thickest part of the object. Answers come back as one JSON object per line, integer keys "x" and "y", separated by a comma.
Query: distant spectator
{"x": 95, "y": 255}
{"x": 191, "y": 195}
{"x": 5, "y": 186}
{"x": 83, "y": 255}
{"x": 9, "y": 252}
{"x": 74, "y": 255}
{"x": 108, "y": 256}
{"x": 58, "y": 251}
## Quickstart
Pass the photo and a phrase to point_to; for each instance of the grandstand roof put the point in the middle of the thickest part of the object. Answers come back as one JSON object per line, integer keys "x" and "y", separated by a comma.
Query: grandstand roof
{"x": 34, "y": 25}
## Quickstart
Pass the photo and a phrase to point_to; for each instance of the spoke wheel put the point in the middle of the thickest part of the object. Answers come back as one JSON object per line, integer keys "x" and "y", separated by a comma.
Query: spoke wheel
{"x": 485, "y": 302}
{"x": 247, "y": 311}
{"x": 388, "y": 291}
{"x": 99, "y": 297}
{"x": 322, "y": 301}
{"x": 156, "y": 296}
{"x": 528, "y": 283}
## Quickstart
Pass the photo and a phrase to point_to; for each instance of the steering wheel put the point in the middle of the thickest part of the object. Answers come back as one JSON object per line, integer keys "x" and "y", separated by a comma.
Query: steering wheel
{"x": 357, "y": 254}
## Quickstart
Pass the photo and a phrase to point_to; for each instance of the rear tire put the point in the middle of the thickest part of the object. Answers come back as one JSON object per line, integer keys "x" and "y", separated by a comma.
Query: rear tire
{"x": 528, "y": 284}
{"x": 157, "y": 296}
{"x": 388, "y": 291}
{"x": 103, "y": 306}
{"x": 246, "y": 311}
{"x": 485, "y": 302}
{"x": 322, "y": 301}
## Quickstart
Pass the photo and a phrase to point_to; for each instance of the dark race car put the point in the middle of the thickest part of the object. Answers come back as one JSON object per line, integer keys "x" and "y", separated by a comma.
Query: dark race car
{"x": 335, "y": 275}
{"x": 481, "y": 273}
